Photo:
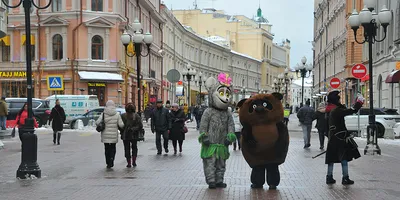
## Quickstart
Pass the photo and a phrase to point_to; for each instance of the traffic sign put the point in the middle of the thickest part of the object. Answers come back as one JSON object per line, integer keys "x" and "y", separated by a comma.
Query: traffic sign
{"x": 359, "y": 71}
{"x": 335, "y": 82}
{"x": 55, "y": 83}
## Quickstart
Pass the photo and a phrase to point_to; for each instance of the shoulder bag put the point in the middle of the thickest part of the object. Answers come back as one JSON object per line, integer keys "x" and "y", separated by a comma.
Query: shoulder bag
{"x": 102, "y": 125}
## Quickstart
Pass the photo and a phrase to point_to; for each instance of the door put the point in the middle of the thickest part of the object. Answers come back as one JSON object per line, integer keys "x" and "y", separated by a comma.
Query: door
{"x": 99, "y": 92}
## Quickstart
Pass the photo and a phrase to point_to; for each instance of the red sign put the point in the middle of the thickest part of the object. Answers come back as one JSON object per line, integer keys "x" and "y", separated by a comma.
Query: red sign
{"x": 359, "y": 71}
{"x": 335, "y": 82}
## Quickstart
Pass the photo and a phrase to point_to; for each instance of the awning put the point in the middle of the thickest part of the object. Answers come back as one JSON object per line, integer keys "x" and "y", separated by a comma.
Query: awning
{"x": 23, "y": 39}
{"x": 393, "y": 77}
{"x": 6, "y": 40}
{"x": 100, "y": 76}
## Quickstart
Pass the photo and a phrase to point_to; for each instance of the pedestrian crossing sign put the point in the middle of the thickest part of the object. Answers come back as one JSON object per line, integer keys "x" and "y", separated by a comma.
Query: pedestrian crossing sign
{"x": 55, "y": 83}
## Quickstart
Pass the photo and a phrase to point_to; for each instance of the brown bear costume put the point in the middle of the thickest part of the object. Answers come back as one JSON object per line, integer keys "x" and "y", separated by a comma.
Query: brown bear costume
{"x": 265, "y": 138}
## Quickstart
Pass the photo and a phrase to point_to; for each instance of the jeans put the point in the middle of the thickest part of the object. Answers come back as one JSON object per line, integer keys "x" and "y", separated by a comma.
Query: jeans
{"x": 128, "y": 146}
{"x": 3, "y": 121}
{"x": 345, "y": 168}
{"x": 238, "y": 136}
{"x": 306, "y": 133}
{"x": 109, "y": 151}
{"x": 198, "y": 120}
{"x": 158, "y": 140}
{"x": 321, "y": 138}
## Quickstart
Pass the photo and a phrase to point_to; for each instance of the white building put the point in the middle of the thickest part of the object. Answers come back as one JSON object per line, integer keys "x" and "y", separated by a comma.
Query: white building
{"x": 296, "y": 91}
{"x": 207, "y": 55}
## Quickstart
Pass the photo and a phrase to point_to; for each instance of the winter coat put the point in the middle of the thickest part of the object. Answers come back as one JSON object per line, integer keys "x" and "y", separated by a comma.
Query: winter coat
{"x": 339, "y": 148}
{"x": 112, "y": 121}
{"x": 321, "y": 121}
{"x": 160, "y": 121}
{"x": 57, "y": 117}
{"x": 20, "y": 120}
{"x": 132, "y": 125}
{"x": 177, "y": 122}
{"x": 3, "y": 108}
{"x": 305, "y": 115}
{"x": 238, "y": 125}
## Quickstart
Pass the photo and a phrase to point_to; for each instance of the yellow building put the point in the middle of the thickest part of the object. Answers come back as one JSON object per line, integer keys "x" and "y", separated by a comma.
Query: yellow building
{"x": 252, "y": 37}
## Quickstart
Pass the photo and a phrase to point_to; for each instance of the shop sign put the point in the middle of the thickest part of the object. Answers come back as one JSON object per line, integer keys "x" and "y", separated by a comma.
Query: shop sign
{"x": 12, "y": 74}
{"x": 146, "y": 98}
{"x": 96, "y": 84}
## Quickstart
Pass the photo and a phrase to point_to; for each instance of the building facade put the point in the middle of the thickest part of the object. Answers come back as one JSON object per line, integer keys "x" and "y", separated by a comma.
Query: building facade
{"x": 80, "y": 40}
{"x": 207, "y": 55}
{"x": 296, "y": 92}
{"x": 248, "y": 36}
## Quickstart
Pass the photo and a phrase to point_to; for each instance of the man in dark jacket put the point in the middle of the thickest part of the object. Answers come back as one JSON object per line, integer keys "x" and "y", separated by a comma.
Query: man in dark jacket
{"x": 161, "y": 124}
{"x": 3, "y": 113}
{"x": 305, "y": 116}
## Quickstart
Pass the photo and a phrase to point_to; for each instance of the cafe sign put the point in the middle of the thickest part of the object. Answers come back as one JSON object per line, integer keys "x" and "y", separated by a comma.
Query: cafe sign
{"x": 96, "y": 84}
{"x": 12, "y": 74}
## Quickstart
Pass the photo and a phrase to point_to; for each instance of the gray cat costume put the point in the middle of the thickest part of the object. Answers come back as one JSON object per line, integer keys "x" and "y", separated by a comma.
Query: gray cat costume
{"x": 216, "y": 130}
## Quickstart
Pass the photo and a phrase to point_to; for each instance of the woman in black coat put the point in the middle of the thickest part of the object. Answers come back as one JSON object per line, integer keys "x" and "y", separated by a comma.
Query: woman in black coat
{"x": 341, "y": 146}
{"x": 57, "y": 118}
{"x": 176, "y": 134}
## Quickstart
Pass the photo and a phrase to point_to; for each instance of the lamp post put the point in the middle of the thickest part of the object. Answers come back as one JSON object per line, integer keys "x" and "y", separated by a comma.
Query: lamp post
{"x": 302, "y": 71}
{"x": 29, "y": 165}
{"x": 189, "y": 74}
{"x": 243, "y": 91}
{"x": 370, "y": 20}
{"x": 138, "y": 38}
{"x": 200, "y": 81}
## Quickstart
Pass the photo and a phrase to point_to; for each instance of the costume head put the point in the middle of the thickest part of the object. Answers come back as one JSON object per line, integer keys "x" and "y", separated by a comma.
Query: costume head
{"x": 261, "y": 109}
{"x": 219, "y": 91}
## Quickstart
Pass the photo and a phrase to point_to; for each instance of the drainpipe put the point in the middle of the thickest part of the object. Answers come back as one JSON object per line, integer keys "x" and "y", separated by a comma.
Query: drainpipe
{"x": 75, "y": 49}
{"x": 126, "y": 11}
{"x": 39, "y": 53}
{"x": 162, "y": 61}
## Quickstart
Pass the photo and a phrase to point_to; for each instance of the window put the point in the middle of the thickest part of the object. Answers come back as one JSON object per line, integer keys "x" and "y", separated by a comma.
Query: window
{"x": 97, "y": 48}
{"x": 5, "y": 52}
{"x": 56, "y": 5}
{"x": 57, "y": 47}
{"x": 97, "y": 5}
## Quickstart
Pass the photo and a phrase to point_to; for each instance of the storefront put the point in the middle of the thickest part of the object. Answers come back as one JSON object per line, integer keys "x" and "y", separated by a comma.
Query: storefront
{"x": 13, "y": 84}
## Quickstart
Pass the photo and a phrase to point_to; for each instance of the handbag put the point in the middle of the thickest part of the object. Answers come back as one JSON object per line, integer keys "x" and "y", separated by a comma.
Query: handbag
{"x": 141, "y": 135}
{"x": 101, "y": 126}
{"x": 185, "y": 129}
{"x": 13, "y": 131}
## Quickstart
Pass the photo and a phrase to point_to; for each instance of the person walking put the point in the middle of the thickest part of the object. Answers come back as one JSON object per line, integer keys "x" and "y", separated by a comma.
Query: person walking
{"x": 286, "y": 114}
{"x": 341, "y": 146}
{"x": 130, "y": 133}
{"x": 161, "y": 124}
{"x": 177, "y": 134}
{"x": 57, "y": 119}
{"x": 238, "y": 128}
{"x": 3, "y": 113}
{"x": 321, "y": 124}
{"x": 21, "y": 117}
{"x": 305, "y": 115}
{"x": 109, "y": 136}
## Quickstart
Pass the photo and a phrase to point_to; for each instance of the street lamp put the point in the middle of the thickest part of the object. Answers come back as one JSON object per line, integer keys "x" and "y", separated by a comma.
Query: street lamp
{"x": 370, "y": 20}
{"x": 188, "y": 74}
{"x": 200, "y": 80}
{"x": 302, "y": 71}
{"x": 243, "y": 91}
{"x": 29, "y": 165}
{"x": 138, "y": 38}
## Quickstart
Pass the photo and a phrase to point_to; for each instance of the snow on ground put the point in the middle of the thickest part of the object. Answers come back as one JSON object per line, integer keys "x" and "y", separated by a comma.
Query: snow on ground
{"x": 382, "y": 141}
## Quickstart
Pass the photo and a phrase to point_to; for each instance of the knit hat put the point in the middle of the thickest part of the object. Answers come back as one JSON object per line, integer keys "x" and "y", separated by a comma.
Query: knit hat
{"x": 110, "y": 103}
{"x": 333, "y": 96}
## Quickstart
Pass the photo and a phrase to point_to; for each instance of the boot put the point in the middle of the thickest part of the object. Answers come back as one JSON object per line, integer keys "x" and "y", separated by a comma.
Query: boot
{"x": 346, "y": 181}
{"x": 212, "y": 186}
{"x": 221, "y": 185}
{"x": 129, "y": 161}
{"x": 134, "y": 161}
{"x": 58, "y": 138}
{"x": 54, "y": 138}
{"x": 234, "y": 146}
{"x": 330, "y": 180}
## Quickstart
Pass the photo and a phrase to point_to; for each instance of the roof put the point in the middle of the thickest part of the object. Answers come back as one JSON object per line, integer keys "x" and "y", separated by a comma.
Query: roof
{"x": 244, "y": 55}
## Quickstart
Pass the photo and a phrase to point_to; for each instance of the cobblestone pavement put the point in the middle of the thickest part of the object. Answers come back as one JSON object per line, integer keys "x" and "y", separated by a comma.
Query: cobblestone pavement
{"x": 76, "y": 170}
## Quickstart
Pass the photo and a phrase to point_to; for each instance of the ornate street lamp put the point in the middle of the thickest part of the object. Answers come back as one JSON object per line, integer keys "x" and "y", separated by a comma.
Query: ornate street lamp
{"x": 29, "y": 165}
{"x": 138, "y": 38}
{"x": 301, "y": 71}
{"x": 188, "y": 75}
{"x": 370, "y": 21}
{"x": 200, "y": 80}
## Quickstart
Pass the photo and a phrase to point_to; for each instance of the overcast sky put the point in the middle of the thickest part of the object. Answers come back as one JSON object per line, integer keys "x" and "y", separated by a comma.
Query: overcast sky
{"x": 291, "y": 19}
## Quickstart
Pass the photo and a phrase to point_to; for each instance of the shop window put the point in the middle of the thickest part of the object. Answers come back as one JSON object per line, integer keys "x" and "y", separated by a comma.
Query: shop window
{"x": 97, "y": 48}
{"x": 97, "y": 5}
{"x": 57, "y": 47}
{"x": 14, "y": 89}
{"x": 56, "y": 5}
{"x": 5, "y": 51}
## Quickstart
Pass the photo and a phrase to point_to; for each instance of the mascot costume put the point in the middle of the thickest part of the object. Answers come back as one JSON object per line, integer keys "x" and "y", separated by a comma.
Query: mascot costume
{"x": 216, "y": 130}
{"x": 265, "y": 137}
